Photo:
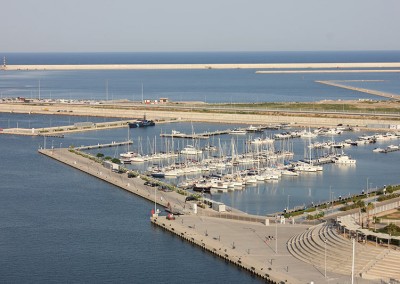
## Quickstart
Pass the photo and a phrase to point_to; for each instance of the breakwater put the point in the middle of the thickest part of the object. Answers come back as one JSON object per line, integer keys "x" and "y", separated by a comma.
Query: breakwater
{"x": 132, "y": 185}
{"x": 255, "y": 117}
{"x": 201, "y": 66}
{"x": 363, "y": 90}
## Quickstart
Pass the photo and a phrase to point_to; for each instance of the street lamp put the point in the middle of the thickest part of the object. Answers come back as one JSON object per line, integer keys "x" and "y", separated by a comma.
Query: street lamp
{"x": 325, "y": 255}
{"x": 353, "y": 259}
{"x": 288, "y": 203}
{"x": 276, "y": 235}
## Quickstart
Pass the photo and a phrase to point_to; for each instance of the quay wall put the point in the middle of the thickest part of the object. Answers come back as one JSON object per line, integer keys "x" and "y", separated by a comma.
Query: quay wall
{"x": 234, "y": 118}
{"x": 201, "y": 66}
{"x": 132, "y": 185}
{"x": 214, "y": 247}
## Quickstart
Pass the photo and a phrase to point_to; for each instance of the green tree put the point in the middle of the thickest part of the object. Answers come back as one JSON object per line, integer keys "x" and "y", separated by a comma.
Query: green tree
{"x": 116, "y": 161}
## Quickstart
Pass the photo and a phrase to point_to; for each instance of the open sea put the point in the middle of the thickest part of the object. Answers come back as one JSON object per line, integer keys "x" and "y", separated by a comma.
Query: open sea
{"x": 213, "y": 86}
{"x": 61, "y": 225}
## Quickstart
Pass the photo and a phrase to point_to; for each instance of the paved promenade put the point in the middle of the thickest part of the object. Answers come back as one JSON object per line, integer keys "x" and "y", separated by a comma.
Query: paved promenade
{"x": 238, "y": 237}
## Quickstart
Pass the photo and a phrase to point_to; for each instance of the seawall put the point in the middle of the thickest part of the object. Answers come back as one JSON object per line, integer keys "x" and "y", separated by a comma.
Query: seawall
{"x": 257, "y": 118}
{"x": 203, "y": 66}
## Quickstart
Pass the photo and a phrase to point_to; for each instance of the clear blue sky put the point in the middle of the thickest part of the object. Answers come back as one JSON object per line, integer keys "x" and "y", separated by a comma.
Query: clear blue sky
{"x": 206, "y": 25}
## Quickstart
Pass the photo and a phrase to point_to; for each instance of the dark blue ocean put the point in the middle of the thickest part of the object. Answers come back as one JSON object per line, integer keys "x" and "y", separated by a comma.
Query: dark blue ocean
{"x": 213, "y": 86}
{"x": 61, "y": 225}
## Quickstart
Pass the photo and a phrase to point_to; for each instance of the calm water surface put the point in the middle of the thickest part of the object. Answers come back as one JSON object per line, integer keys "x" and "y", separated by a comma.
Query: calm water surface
{"x": 61, "y": 225}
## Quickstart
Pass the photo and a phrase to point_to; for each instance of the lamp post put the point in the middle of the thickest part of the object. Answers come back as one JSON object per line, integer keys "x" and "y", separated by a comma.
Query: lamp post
{"x": 155, "y": 201}
{"x": 288, "y": 203}
{"x": 330, "y": 198}
{"x": 353, "y": 260}
{"x": 325, "y": 255}
{"x": 276, "y": 235}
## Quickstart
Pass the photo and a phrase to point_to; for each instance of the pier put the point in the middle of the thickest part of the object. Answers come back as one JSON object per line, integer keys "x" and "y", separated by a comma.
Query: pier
{"x": 207, "y": 134}
{"x": 363, "y": 90}
{"x": 203, "y": 135}
{"x": 59, "y": 131}
{"x": 98, "y": 146}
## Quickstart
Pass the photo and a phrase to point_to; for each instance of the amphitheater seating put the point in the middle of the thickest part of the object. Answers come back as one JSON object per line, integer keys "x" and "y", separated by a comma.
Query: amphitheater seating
{"x": 371, "y": 262}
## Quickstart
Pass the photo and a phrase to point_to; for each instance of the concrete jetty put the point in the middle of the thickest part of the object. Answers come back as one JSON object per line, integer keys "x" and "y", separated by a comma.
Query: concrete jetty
{"x": 250, "y": 116}
{"x": 329, "y": 71}
{"x": 133, "y": 185}
{"x": 106, "y": 145}
{"x": 203, "y": 135}
{"x": 363, "y": 90}
{"x": 59, "y": 131}
{"x": 201, "y": 66}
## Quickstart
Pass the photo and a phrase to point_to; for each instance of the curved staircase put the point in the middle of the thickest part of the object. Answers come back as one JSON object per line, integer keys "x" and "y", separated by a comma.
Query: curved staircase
{"x": 320, "y": 241}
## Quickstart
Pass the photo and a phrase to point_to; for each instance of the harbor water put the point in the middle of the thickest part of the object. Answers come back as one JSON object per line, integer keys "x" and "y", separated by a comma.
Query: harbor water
{"x": 61, "y": 225}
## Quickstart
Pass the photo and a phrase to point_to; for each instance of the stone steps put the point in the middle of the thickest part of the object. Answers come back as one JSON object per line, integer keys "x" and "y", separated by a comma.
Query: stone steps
{"x": 309, "y": 247}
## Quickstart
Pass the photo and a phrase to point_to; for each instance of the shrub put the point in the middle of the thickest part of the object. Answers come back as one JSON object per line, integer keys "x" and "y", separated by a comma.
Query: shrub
{"x": 132, "y": 174}
{"x": 116, "y": 161}
{"x": 387, "y": 197}
{"x": 316, "y": 216}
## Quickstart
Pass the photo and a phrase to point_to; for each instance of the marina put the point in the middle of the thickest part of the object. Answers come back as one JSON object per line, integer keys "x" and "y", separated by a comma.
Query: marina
{"x": 87, "y": 208}
{"x": 226, "y": 242}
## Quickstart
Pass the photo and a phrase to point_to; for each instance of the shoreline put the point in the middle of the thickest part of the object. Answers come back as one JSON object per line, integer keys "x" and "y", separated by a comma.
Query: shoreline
{"x": 256, "y": 117}
{"x": 200, "y": 66}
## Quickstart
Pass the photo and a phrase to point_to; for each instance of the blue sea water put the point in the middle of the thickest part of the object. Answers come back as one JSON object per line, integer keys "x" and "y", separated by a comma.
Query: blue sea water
{"x": 213, "y": 86}
{"x": 61, "y": 225}
{"x": 23, "y": 58}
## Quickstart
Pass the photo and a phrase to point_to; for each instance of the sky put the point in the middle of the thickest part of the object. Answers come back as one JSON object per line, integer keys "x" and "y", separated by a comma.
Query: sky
{"x": 206, "y": 25}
